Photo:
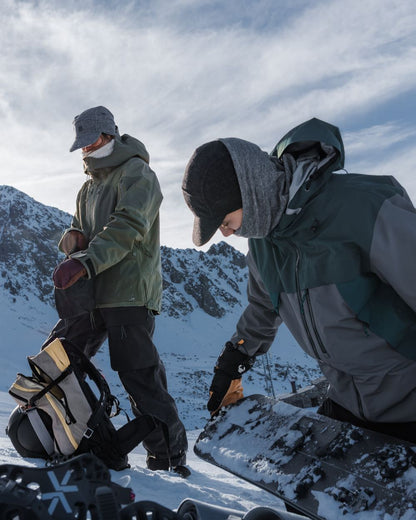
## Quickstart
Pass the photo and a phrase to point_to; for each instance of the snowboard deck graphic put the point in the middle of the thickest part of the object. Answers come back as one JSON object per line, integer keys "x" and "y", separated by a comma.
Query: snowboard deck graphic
{"x": 315, "y": 464}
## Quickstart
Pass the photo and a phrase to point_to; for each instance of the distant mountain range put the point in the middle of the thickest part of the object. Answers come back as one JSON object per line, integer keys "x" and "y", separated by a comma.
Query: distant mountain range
{"x": 29, "y": 233}
{"x": 204, "y": 294}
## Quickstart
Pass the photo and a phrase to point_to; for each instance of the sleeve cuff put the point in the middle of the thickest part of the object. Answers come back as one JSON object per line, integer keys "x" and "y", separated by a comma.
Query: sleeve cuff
{"x": 86, "y": 262}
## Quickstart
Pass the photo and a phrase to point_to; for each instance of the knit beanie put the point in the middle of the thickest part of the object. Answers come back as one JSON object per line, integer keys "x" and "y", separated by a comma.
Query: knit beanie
{"x": 210, "y": 188}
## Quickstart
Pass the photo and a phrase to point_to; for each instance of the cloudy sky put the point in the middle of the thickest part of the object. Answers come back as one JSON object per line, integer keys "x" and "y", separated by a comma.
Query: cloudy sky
{"x": 177, "y": 73}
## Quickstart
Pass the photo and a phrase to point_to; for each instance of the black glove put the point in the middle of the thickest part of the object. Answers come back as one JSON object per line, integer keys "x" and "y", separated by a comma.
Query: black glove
{"x": 226, "y": 387}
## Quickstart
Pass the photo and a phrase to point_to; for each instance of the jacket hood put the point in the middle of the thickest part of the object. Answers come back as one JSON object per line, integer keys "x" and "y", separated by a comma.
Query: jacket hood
{"x": 264, "y": 186}
{"x": 306, "y": 135}
{"x": 311, "y": 152}
{"x": 125, "y": 148}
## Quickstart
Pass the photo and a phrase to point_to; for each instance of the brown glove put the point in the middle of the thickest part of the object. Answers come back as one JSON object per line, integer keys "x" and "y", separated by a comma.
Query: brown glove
{"x": 67, "y": 273}
{"x": 73, "y": 241}
{"x": 234, "y": 393}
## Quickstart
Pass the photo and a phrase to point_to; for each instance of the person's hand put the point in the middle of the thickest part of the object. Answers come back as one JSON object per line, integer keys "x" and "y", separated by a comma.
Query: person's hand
{"x": 223, "y": 391}
{"x": 67, "y": 273}
{"x": 226, "y": 387}
{"x": 73, "y": 241}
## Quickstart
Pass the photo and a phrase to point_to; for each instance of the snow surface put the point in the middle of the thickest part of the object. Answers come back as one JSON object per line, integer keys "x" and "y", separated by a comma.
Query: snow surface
{"x": 207, "y": 483}
{"x": 188, "y": 348}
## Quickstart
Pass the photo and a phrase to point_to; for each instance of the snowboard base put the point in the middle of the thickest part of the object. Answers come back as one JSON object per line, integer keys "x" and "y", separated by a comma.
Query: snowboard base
{"x": 315, "y": 464}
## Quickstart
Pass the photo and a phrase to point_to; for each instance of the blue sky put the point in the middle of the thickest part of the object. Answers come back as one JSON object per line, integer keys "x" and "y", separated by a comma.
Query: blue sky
{"x": 177, "y": 73}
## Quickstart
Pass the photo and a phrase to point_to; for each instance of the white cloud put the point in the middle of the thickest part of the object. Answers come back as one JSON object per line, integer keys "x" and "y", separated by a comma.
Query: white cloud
{"x": 178, "y": 73}
{"x": 369, "y": 140}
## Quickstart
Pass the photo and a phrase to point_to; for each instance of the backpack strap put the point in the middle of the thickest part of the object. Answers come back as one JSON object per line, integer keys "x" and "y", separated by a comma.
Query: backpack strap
{"x": 81, "y": 361}
{"x": 133, "y": 432}
{"x": 129, "y": 435}
{"x": 42, "y": 432}
{"x": 47, "y": 388}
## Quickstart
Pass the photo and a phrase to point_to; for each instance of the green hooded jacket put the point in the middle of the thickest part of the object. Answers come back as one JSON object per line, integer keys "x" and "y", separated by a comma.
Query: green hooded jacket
{"x": 117, "y": 209}
{"x": 338, "y": 270}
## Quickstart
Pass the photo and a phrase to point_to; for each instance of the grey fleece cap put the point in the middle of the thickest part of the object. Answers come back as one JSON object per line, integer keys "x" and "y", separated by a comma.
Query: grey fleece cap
{"x": 90, "y": 125}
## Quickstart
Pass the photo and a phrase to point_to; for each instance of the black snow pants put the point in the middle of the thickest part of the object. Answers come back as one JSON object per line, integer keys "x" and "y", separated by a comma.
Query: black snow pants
{"x": 134, "y": 356}
{"x": 405, "y": 431}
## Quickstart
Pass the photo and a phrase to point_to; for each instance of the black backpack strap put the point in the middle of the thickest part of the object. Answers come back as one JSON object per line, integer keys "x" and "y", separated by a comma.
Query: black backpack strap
{"x": 98, "y": 413}
{"x": 133, "y": 432}
{"x": 48, "y": 387}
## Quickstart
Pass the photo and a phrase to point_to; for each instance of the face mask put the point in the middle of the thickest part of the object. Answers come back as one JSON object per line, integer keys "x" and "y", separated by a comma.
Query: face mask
{"x": 104, "y": 151}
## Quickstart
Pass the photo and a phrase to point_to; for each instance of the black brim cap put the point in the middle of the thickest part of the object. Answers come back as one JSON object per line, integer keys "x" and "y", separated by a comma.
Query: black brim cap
{"x": 210, "y": 188}
{"x": 204, "y": 229}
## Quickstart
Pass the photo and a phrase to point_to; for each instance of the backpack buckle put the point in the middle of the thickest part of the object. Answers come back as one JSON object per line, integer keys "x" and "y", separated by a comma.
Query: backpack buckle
{"x": 88, "y": 433}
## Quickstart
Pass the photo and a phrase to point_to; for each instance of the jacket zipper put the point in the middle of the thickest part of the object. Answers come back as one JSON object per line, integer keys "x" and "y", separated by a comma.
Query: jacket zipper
{"x": 317, "y": 335}
{"x": 360, "y": 404}
{"x": 300, "y": 300}
{"x": 302, "y": 310}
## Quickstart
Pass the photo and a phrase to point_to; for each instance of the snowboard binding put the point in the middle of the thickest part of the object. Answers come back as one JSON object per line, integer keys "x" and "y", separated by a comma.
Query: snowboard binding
{"x": 73, "y": 489}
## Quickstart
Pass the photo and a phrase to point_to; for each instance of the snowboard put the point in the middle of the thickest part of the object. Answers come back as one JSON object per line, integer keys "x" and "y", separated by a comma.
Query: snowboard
{"x": 321, "y": 468}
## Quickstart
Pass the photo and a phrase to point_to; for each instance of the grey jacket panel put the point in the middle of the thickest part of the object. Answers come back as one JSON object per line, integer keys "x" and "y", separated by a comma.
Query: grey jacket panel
{"x": 259, "y": 322}
{"x": 366, "y": 375}
{"x": 393, "y": 249}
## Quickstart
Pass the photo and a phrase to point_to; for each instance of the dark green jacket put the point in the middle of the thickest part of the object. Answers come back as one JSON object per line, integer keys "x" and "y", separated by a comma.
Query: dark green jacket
{"x": 118, "y": 211}
{"x": 339, "y": 271}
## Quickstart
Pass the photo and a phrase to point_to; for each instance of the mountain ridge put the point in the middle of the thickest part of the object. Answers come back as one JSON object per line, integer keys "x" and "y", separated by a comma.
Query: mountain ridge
{"x": 29, "y": 234}
{"x": 204, "y": 295}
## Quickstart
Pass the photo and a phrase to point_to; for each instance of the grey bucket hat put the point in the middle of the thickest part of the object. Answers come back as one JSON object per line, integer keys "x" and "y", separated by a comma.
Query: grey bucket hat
{"x": 90, "y": 124}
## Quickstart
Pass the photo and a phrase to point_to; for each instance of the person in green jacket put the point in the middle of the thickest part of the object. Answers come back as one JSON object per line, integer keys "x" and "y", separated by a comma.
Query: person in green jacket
{"x": 331, "y": 255}
{"x": 113, "y": 249}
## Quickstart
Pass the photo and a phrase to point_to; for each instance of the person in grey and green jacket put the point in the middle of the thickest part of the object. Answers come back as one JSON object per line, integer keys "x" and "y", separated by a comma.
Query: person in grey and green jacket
{"x": 113, "y": 242}
{"x": 331, "y": 255}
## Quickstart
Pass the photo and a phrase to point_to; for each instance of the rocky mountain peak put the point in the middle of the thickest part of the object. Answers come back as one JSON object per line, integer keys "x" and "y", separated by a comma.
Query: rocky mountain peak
{"x": 212, "y": 281}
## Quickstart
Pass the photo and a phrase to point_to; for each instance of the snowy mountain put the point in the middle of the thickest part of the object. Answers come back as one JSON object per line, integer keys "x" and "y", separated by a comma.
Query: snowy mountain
{"x": 204, "y": 294}
{"x": 30, "y": 231}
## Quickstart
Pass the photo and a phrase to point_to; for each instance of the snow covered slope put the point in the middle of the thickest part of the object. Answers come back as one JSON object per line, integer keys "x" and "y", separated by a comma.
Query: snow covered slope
{"x": 204, "y": 294}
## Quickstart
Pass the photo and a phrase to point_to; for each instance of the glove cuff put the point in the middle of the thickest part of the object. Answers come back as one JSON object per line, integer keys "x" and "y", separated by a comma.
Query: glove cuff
{"x": 233, "y": 362}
